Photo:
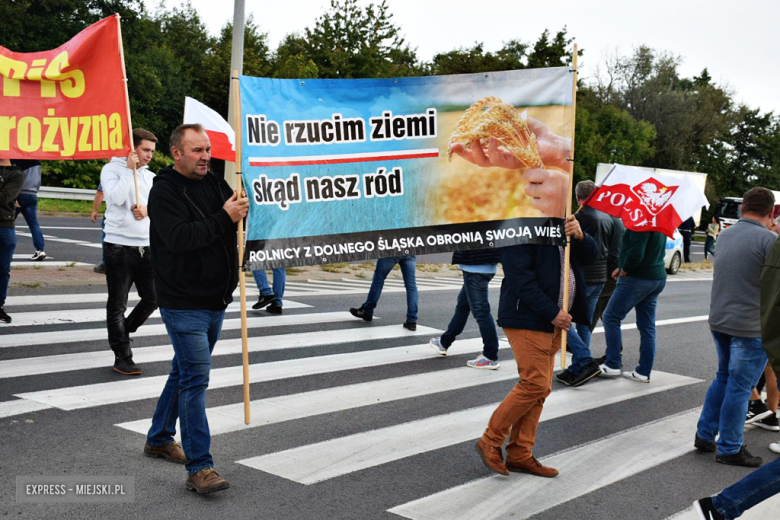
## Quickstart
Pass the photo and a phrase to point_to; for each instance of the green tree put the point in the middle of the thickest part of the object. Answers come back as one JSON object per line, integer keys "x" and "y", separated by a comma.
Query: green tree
{"x": 350, "y": 41}
{"x": 215, "y": 66}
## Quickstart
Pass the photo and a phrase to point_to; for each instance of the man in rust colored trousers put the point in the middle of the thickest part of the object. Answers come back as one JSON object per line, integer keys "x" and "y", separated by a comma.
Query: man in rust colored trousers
{"x": 530, "y": 312}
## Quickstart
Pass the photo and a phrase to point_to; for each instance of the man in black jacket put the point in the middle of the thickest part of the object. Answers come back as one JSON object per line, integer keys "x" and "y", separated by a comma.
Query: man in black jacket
{"x": 193, "y": 241}
{"x": 11, "y": 181}
{"x": 531, "y": 313}
{"x": 601, "y": 227}
{"x": 686, "y": 229}
{"x": 479, "y": 267}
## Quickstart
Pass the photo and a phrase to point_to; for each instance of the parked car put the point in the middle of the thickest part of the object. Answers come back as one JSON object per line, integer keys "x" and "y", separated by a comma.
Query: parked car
{"x": 674, "y": 253}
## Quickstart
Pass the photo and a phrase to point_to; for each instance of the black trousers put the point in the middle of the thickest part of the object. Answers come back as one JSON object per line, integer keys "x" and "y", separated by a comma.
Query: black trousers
{"x": 125, "y": 266}
{"x": 686, "y": 236}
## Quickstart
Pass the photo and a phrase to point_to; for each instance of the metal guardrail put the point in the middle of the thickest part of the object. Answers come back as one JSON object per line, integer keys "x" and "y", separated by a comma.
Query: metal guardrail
{"x": 47, "y": 192}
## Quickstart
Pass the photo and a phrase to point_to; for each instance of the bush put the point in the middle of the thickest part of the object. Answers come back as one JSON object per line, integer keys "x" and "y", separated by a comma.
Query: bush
{"x": 86, "y": 174}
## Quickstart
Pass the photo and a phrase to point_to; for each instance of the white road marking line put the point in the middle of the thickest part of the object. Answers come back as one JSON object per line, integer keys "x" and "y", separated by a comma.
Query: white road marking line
{"x": 105, "y": 358}
{"x": 583, "y": 470}
{"x": 761, "y": 511}
{"x": 325, "y": 460}
{"x": 229, "y": 418}
{"x": 100, "y": 394}
{"x": 20, "y": 407}
{"x": 23, "y": 319}
{"x": 44, "y": 263}
{"x": 92, "y": 228}
{"x": 71, "y": 336}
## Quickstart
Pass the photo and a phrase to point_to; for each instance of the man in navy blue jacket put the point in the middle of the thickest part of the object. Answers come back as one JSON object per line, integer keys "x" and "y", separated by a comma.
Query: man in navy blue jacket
{"x": 531, "y": 314}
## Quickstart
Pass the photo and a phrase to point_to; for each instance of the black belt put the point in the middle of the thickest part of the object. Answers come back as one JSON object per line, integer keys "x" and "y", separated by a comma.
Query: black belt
{"x": 131, "y": 249}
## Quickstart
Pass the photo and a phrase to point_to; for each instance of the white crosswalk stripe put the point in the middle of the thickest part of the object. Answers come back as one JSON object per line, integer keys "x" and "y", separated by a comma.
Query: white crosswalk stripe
{"x": 329, "y": 459}
{"x": 353, "y": 368}
{"x": 582, "y": 470}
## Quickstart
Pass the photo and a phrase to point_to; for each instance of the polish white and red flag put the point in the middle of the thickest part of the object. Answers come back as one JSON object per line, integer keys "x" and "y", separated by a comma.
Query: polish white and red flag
{"x": 221, "y": 134}
{"x": 647, "y": 201}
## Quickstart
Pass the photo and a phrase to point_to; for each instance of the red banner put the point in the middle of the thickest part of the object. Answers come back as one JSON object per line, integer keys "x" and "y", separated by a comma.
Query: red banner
{"x": 68, "y": 103}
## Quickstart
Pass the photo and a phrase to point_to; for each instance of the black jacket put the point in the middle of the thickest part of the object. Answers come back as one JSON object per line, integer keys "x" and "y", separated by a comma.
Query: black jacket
{"x": 193, "y": 242}
{"x": 531, "y": 284}
{"x": 601, "y": 227}
{"x": 11, "y": 181}
{"x": 476, "y": 257}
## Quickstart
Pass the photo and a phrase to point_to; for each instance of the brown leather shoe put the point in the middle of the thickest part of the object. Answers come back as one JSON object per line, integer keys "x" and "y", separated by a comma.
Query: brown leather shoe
{"x": 172, "y": 452}
{"x": 206, "y": 481}
{"x": 491, "y": 457}
{"x": 532, "y": 466}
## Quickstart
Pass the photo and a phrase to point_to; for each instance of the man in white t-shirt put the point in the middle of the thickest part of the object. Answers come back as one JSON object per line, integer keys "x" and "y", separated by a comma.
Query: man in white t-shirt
{"x": 127, "y": 254}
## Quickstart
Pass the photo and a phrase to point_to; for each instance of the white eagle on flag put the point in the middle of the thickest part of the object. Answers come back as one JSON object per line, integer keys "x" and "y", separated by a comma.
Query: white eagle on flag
{"x": 655, "y": 197}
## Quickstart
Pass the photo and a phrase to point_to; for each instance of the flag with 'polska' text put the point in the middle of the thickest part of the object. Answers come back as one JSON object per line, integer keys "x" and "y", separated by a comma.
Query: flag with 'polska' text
{"x": 647, "y": 201}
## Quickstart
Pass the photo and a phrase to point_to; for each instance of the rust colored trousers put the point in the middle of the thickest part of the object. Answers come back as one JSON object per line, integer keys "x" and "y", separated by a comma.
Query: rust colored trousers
{"x": 517, "y": 417}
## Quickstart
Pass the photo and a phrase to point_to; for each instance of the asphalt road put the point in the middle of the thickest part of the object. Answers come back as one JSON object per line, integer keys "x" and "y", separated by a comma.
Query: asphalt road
{"x": 382, "y": 423}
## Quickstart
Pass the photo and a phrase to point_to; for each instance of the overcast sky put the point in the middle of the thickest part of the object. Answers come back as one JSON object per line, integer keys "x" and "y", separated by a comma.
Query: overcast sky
{"x": 738, "y": 41}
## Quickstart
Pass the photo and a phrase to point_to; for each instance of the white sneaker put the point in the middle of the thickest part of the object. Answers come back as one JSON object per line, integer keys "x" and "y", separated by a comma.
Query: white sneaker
{"x": 436, "y": 345}
{"x": 775, "y": 446}
{"x": 636, "y": 377}
{"x": 38, "y": 255}
{"x": 483, "y": 362}
{"x": 609, "y": 372}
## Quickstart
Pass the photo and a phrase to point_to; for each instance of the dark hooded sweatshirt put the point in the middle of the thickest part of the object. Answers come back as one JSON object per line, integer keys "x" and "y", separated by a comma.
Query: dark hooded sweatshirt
{"x": 193, "y": 242}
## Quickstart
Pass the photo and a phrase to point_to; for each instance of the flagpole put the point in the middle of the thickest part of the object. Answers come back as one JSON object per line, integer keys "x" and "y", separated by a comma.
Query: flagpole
{"x": 236, "y": 64}
{"x": 127, "y": 103}
{"x": 241, "y": 274}
{"x": 568, "y": 203}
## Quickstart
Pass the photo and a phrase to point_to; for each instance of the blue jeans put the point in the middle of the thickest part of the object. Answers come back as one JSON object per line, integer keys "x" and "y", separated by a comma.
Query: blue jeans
{"x": 7, "y": 247}
{"x": 642, "y": 295}
{"x": 578, "y": 338}
{"x": 473, "y": 297}
{"x": 740, "y": 364}
{"x": 193, "y": 334}
{"x": 383, "y": 268}
{"x": 280, "y": 277}
{"x": 758, "y": 486}
{"x": 28, "y": 207}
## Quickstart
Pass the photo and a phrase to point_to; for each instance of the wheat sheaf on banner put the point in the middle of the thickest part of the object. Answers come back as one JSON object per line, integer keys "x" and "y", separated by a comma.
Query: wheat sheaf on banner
{"x": 492, "y": 118}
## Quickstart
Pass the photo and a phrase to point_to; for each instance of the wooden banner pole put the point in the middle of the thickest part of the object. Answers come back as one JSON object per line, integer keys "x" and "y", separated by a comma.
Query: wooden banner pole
{"x": 241, "y": 274}
{"x": 127, "y": 103}
{"x": 567, "y": 254}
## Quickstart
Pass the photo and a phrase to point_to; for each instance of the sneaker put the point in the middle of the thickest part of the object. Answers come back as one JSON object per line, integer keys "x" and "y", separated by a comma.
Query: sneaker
{"x": 4, "y": 317}
{"x": 706, "y": 511}
{"x": 740, "y": 458}
{"x": 436, "y": 345}
{"x": 38, "y": 255}
{"x": 531, "y": 466}
{"x": 756, "y": 411}
{"x": 263, "y": 300}
{"x": 410, "y": 325}
{"x": 274, "y": 309}
{"x": 360, "y": 313}
{"x": 702, "y": 445}
{"x": 125, "y": 365}
{"x": 775, "y": 446}
{"x": 587, "y": 373}
{"x": 565, "y": 377}
{"x": 492, "y": 458}
{"x": 171, "y": 452}
{"x": 100, "y": 268}
{"x": 601, "y": 360}
{"x": 206, "y": 481}
{"x": 635, "y": 376}
{"x": 483, "y": 362}
{"x": 608, "y": 372}
{"x": 769, "y": 422}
